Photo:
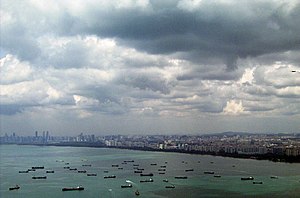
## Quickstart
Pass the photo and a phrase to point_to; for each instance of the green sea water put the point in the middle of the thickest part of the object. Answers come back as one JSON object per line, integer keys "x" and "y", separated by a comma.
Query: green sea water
{"x": 15, "y": 158}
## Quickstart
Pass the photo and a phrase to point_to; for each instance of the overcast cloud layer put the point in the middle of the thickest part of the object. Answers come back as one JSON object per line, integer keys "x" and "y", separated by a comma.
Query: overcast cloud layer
{"x": 186, "y": 66}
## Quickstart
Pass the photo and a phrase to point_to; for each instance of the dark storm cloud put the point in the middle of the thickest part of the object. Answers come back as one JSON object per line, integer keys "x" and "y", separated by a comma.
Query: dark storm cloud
{"x": 211, "y": 30}
{"x": 199, "y": 31}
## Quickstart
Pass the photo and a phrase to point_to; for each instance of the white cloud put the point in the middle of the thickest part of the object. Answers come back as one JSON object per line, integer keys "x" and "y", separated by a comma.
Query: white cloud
{"x": 247, "y": 76}
{"x": 233, "y": 108}
{"x": 84, "y": 101}
{"x": 12, "y": 70}
{"x": 36, "y": 92}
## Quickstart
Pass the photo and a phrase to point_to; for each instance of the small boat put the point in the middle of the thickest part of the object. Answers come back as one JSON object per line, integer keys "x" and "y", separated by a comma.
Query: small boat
{"x": 91, "y": 174}
{"x": 106, "y": 171}
{"x": 74, "y": 169}
{"x": 209, "y": 172}
{"x": 126, "y": 186}
{"x": 81, "y": 171}
{"x": 114, "y": 165}
{"x": 274, "y": 177}
{"x": 66, "y": 167}
{"x": 181, "y": 177}
{"x": 247, "y": 178}
{"x": 87, "y": 165}
{"x": 170, "y": 186}
{"x": 153, "y": 164}
{"x": 257, "y": 182}
{"x": 135, "y": 165}
{"x": 67, "y": 163}
{"x": 146, "y": 174}
{"x": 24, "y": 171}
{"x": 217, "y": 175}
{"x": 161, "y": 173}
{"x": 39, "y": 177}
{"x": 50, "y": 171}
{"x": 30, "y": 170}
{"x": 15, "y": 187}
{"x": 189, "y": 170}
{"x": 138, "y": 171}
{"x": 162, "y": 169}
{"x": 165, "y": 180}
{"x": 120, "y": 168}
{"x": 124, "y": 163}
{"x": 137, "y": 193}
{"x": 73, "y": 188}
{"x": 163, "y": 166}
{"x": 109, "y": 177}
{"x": 147, "y": 180}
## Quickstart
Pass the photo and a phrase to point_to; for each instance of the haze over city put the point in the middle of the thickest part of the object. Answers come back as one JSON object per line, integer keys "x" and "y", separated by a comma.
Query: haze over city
{"x": 149, "y": 67}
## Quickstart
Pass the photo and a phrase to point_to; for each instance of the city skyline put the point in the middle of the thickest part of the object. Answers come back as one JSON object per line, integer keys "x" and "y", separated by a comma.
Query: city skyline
{"x": 149, "y": 67}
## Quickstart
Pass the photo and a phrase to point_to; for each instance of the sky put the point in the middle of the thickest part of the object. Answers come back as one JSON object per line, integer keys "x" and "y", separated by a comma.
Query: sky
{"x": 149, "y": 66}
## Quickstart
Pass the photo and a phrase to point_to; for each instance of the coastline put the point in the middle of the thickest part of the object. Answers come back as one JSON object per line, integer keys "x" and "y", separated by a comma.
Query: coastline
{"x": 269, "y": 156}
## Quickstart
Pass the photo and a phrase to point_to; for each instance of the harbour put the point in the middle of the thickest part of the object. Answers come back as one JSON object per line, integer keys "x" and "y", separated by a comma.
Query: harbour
{"x": 196, "y": 183}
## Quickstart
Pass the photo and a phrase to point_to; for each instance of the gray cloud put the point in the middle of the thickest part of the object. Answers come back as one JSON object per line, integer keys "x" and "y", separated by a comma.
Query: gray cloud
{"x": 183, "y": 62}
{"x": 210, "y": 30}
{"x": 202, "y": 32}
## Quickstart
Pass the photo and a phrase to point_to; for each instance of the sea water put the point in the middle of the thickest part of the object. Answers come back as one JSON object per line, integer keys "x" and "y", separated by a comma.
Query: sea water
{"x": 15, "y": 158}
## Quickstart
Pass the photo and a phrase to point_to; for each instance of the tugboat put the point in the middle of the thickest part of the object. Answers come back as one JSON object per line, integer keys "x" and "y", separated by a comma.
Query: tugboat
{"x": 147, "y": 180}
{"x": 148, "y": 174}
{"x": 39, "y": 177}
{"x": 189, "y": 170}
{"x": 209, "y": 172}
{"x": 15, "y": 187}
{"x": 137, "y": 193}
{"x": 79, "y": 188}
{"x": 126, "y": 186}
{"x": 247, "y": 178}
{"x": 91, "y": 174}
{"x": 181, "y": 177}
{"x": 37, "y": 167}
{"x": 170, "y": 186}
{"x": 109, "y": 177}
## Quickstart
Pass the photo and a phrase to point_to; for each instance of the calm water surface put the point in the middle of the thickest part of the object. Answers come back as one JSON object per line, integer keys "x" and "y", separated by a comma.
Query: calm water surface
{"x": 14, "y": 158}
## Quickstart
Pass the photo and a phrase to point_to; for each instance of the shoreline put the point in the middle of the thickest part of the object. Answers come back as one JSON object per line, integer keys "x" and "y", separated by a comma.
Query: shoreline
{"x": 269, "y": 156}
